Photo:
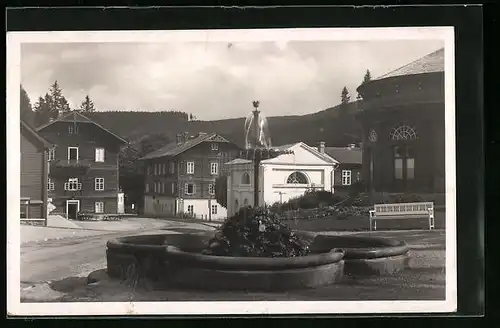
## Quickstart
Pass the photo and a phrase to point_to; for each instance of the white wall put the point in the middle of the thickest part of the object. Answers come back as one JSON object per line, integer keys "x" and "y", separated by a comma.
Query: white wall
{"x": 202, "y": 208}
{"x": 273, "y": 176}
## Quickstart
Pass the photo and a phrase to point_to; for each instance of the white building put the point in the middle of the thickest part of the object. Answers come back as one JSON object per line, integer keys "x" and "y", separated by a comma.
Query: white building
{"x": 281, "y": 178}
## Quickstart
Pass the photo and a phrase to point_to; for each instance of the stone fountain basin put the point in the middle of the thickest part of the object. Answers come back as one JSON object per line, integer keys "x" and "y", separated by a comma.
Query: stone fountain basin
{"x": 364, "y": 255}
{"x": 176, "y": 260}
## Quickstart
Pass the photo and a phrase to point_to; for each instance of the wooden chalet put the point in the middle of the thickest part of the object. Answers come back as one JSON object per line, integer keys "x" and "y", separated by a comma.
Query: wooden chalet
{"x": 84, "y": 167}
{"x": 34, "y": 174}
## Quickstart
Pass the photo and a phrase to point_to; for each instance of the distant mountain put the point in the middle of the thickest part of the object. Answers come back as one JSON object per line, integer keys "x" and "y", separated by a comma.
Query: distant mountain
{"x": 336, "y": 126}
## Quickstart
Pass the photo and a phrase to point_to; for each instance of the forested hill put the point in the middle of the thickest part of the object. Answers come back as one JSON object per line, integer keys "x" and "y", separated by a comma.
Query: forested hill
{"x": 336, "y": 126}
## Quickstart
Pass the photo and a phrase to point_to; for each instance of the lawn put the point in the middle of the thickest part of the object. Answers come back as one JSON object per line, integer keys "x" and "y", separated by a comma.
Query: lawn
{"x": 361, "y": 223}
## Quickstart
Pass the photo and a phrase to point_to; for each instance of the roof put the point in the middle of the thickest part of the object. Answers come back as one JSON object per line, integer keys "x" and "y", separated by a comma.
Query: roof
{"x": 174, "y": 149}
{"x": 345, "y": 155}
{"x": 238, "y": 161}
{"x": 431, "y": 63}
{"x": 26, "y": 127}
{"x": 314, "y": 150}
{"x": 76, "y": 116}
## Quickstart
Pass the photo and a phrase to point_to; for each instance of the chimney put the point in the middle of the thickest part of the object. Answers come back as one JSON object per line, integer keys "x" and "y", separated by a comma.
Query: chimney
{"x": 178, "y": 138}
{"x": 321, "y": 147}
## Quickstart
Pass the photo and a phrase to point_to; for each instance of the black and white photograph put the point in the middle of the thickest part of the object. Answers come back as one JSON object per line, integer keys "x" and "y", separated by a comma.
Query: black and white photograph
{"x": 279, "y": 171}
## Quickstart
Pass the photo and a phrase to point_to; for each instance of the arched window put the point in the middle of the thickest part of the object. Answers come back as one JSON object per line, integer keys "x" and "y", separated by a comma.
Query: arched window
{"x": 245, "y": 178}
{"x": 403, "y": 132}
{"x": 297, "y": 178}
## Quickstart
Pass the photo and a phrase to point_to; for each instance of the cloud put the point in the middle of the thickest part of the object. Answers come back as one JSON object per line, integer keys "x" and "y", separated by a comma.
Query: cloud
{"x": 212, "y": 80}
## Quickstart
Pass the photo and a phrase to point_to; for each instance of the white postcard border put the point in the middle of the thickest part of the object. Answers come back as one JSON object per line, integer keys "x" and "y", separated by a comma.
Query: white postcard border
{"x": 15, "y": 307}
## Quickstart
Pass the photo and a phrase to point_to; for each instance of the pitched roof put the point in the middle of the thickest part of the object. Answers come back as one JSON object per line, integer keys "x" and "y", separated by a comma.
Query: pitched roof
{"x": 174, "y": 149}
{"x": 238, "y": 161}
{"x": 314, "y": 150}
{"x": 76, "y": 116}
{"x": 26, "y": 127}
{"x": 431, "y": 63}
{"x": 345, "y": 155}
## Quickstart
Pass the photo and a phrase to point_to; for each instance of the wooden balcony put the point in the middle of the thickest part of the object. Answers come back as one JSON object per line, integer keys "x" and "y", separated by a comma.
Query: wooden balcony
{"x": 67, "y": 168}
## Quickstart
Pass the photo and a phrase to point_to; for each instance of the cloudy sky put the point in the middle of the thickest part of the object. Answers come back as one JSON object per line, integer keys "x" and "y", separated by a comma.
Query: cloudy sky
{"x": 212, "y": 80}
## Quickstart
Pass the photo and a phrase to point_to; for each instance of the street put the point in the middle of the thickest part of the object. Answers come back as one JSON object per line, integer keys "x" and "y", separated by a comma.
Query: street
{"x": 77, "y": 256}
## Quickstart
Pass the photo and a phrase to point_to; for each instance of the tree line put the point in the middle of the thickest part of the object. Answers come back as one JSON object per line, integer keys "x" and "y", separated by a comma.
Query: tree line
{"x": 345, "y": 96}
{"x": 54, "y": 103}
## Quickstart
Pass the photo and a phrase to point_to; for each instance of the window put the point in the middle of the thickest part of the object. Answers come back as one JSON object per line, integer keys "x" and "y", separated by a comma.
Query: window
{"x": 245, "y": 202}
{"x": 297, "y": 178}
{"x": 99, "y": 207}
{"x": 147, "y": 187}
{"x": 190, "y": 167}
{"x": 215, "y": 146}
{"x": 189, "y": 189}
{"x": 52, "y": 154}
{"x": 164, "y": 168}
{"x": 214, "y": 209}
{"x": 211, "y": 189}
{"x": 154, "y": 187}
{"x": 403, "y": 132}
{"x": 99, "y": 154}
{"x": 404, "y": 163}
{"x": 155, "y": 169}
{"x": 172, "y": 167}
{"x": 162, "y": 187}
{"x": 72, "y": 184}
{"x": 73, "y": 128}
{"x": 173, "y": 188}
{"x": 191, "y": 209}
{"x": 214, "y": 168}
{"x": 346, "y": 177}
{"x": 245, "y": 179}
{"x": 50, "y": 184}
{"x": 72, "y": 153}
{"x": 149, "y": 170}
{"x": 99, "y": 184}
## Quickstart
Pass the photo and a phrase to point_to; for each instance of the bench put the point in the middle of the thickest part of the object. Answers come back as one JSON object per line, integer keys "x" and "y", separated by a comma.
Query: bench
{"x": 402, "y": 211}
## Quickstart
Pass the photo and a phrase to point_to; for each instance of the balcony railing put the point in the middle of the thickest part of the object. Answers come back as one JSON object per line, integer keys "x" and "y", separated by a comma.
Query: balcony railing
{"x": 71, "y": 163}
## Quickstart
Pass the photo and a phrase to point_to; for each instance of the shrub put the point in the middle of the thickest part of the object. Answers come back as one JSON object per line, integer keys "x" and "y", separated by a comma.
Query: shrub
{"x": 310, "y": 199}
{"x": 256, "y": 233}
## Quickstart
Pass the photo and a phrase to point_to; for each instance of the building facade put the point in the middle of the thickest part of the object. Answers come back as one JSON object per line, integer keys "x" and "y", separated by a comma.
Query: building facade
{"x": 349, "y": 172}
{"x": 281, "y": 178}
{"x": 402, "y": 116}
{"x": 84, "y": 167}
{"x": 34, "y": 174}
{"x": 179, "y": 178}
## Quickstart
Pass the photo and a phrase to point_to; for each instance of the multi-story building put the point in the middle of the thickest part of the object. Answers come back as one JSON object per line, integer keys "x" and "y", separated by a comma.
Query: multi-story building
{"x": 349, "y": 171}
{"x": 180, "y": 177}
{"x": 403, "y": 119}
{"x": 34, "y": 173}
{"x": 83, "y": 166}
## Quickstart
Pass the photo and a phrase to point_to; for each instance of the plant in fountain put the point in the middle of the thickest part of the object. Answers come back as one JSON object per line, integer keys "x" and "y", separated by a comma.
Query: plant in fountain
{"x": 256, "y": 232}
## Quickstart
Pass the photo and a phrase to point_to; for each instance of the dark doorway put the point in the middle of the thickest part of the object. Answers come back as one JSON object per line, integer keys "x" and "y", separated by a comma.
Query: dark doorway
{"x": 72, "y": 211}
{"x": 404, "y": 166}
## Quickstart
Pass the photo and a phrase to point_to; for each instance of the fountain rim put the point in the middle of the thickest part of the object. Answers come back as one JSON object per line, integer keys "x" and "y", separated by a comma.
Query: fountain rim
{"x": 175, "y": 254}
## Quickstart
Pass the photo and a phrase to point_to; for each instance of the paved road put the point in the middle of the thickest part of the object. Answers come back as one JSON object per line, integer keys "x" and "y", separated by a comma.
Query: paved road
{"x": 57, "y": 259}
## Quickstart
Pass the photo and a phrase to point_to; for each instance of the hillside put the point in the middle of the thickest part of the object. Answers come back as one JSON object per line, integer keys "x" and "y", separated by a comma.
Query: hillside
{"x": 335, "y": 126}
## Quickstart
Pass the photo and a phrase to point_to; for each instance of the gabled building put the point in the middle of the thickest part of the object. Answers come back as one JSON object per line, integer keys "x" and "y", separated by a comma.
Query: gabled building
{"x": 281, "y": 178}
{"x": 349, "y": 171}
{"x": 403, "y": 119}
{"x": 84, "y": 167}
{"x": 34, "y": 174}
{"x": 180, "y": 177}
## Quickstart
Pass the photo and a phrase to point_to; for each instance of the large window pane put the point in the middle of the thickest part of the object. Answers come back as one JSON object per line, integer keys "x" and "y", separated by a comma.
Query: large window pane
{"x": 410, "y": 168}
{"x": 398, "y": 168}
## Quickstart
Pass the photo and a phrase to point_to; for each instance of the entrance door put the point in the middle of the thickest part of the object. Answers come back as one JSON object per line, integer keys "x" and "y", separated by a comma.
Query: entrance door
{"x": 404, "y": 166}
{"x": 72, "y": 208}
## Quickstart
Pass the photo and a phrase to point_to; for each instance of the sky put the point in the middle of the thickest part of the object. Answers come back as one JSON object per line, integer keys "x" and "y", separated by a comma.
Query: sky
{"x": 212, "y": 80}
